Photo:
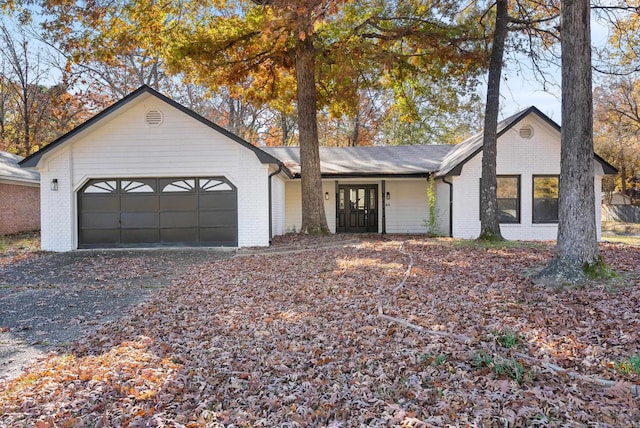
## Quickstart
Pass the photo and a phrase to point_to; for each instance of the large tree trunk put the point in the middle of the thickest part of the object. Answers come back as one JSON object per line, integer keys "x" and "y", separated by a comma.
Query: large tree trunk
{"x": 314, "y": 220}
{"x": 577, "y": 247}
{"x": 489, "y": 224}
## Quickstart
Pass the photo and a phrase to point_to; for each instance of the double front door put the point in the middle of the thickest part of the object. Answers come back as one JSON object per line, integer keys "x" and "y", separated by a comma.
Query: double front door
{"x": 357, "y": 208}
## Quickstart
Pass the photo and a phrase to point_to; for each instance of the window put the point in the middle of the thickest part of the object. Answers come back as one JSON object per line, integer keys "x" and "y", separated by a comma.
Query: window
{"x": 508, "y": 194}
{"x": 545, "y": 199}
{"x": 187, "y": 185}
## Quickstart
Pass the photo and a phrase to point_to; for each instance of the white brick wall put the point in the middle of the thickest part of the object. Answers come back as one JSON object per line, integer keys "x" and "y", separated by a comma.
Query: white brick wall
{"x": 122, "y": 145}
{"x": 293, "y": 205}
{"x": 278, "y": 205}
{"x": 57, "y": 207}
{"x": 408, "y": 208}
{"x": 539, "y": 155}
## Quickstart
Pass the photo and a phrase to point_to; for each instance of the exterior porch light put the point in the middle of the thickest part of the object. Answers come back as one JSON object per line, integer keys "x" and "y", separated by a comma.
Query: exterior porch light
{"x": 388, "y": 196}
{"x": 326, "y": 196}
{"x": 54, "y": 184}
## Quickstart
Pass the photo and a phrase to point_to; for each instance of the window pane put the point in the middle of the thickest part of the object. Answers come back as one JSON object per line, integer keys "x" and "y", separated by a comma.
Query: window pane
{"x": 508, "y": 195}
{"x": 101, "y": 187}
{"x": 545, "y": 187}
{"x": 545, "y": 199}
{"x": 507, "y": 187}
{"x": 508, "y": 199}
{"x": 508, "y": 210}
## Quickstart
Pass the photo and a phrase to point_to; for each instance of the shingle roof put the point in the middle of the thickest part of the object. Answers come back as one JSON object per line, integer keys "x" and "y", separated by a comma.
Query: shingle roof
{"x": 368, "y": 160}
{"x": 10, "y": 170}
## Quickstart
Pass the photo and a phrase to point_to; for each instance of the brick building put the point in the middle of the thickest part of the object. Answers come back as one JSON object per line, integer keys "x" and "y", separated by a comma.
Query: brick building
{"x": 19, "y": 196}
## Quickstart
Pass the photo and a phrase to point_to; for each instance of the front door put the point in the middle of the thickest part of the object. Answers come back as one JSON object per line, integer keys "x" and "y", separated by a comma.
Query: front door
{"x": 357, "y": 208}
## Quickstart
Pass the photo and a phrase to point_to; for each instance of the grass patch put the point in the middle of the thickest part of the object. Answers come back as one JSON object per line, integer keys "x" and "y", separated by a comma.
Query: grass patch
{"x": 630, "y": 365}
{"x": 507, "y": 338}
{"x": 433, "y": 360}
{"x": 618, "y": 228}
{"x": 622, "y": 239}
{"x": 471, "y": 243}
{"x": 502, "y": 367}
{"x": 21, "y": 242}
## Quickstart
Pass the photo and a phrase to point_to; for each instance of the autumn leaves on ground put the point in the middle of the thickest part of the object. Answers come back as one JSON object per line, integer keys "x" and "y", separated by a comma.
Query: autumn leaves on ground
{"x": 394, "y": 332}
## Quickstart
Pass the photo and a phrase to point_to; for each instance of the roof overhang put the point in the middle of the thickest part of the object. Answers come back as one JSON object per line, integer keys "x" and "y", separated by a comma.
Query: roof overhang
{"x": 34, "y": 159}
{"x": 18, "y": 182}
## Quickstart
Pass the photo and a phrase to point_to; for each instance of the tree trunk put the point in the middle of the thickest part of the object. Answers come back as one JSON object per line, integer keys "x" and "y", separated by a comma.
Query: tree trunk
{"x": 489, "y": 223}
{"x": 356, "y": 129}
{"x": 577, "y": 247}
{"x": 314, "y": 220}
{"x": 623, "y": 180}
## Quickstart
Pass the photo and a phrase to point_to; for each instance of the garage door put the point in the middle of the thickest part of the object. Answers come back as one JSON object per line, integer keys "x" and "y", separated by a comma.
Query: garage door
{"x": 142, "y": 212}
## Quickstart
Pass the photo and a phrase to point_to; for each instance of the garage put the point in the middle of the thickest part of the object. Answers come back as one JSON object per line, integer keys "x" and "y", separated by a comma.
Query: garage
{"x": 144, "y": 212}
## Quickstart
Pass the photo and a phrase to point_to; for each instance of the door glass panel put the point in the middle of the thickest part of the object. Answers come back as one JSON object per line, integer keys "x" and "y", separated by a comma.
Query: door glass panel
{"x": 372, "y": 199}
{"x": 361, "y": 202}
{"x": 211, "y": 185}
{"x": 341, "y": 199}
{"x": 101, "y": 187}
{"x": 180, "y": 186}
{"x": 135, "y": 187}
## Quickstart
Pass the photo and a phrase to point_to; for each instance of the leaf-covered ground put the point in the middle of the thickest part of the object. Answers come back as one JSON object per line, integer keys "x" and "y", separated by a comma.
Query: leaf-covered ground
{"x": 398, "y": 332}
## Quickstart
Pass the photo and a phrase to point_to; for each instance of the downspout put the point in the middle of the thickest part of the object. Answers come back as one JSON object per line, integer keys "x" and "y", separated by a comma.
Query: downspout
{"x": 444, "y": 180}
{"x": 276, "y": 172}
{"x": 384, "y": 204}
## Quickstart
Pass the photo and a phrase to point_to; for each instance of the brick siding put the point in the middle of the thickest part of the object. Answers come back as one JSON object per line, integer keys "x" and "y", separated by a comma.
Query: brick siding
{"x": 19, "y": 208}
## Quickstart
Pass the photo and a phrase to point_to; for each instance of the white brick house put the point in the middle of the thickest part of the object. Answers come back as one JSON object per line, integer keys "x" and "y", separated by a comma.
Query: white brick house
{"x": 148, "y": 171}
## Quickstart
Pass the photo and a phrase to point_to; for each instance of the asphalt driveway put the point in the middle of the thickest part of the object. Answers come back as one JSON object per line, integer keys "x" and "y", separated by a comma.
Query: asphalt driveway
{"x": 52, "y": 299}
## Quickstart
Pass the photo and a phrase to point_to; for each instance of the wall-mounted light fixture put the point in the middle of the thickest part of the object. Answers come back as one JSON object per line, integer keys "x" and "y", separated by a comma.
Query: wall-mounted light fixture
{"x": 326, "y": 196}
{"x": 54, "y": 184}
{"x": 388, "y": 196}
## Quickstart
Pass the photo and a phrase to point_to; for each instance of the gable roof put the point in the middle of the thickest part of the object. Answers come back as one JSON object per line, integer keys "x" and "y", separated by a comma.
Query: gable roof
{"x": 466, "y": 150}
{"x": 32, "y": 160}
{"x": 10, "y": 170}
{"x": 415, "y": 160}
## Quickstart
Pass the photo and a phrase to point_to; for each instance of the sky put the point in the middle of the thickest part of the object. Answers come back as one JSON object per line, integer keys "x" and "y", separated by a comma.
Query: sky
{"x": 520, "y": 90}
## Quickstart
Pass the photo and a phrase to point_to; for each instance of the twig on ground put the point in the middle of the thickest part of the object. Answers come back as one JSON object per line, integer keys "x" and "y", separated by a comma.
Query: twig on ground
{"x": 407, "y": 272}
{"x": 458, "y": 337}
{"x": 633, "y": 388}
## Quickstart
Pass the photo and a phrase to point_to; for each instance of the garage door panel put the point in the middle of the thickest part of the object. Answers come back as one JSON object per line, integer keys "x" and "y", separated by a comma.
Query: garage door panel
{"x": 157, "y": 211}
{"x": 139, "y": 220}
{"x": 101, "y": 237}
{"x": 226, "y": 218}
{"x": 179, "y": 235}
{"x": 177, "y": 202}
{"x": 178, "y": 219}
{"x": 218, "y": 235}
{"x": 132, "y": 202}
{"x": 140, "y": 236}
{"x": 218, "y": 200}
{"x": 94, "y": 220}
{"x": 97, "y": 202}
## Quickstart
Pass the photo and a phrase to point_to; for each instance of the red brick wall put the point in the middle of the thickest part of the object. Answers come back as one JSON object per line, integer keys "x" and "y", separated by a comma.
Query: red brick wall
{"x": 19, "y": 208}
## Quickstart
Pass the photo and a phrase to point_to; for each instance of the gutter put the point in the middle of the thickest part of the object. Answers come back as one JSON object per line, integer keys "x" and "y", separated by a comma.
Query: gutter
{"x": 450, "y": 206}
{"x": 276, "y": 172}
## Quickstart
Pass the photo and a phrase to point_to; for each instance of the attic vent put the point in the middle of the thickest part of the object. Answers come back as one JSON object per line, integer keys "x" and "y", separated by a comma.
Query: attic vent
{"x": 526, "y": 131}
{"x": 153, "y": 118}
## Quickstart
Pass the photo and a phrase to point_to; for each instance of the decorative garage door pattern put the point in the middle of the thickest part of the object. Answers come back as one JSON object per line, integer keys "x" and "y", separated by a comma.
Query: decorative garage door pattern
{"x": 158, "y": 211}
